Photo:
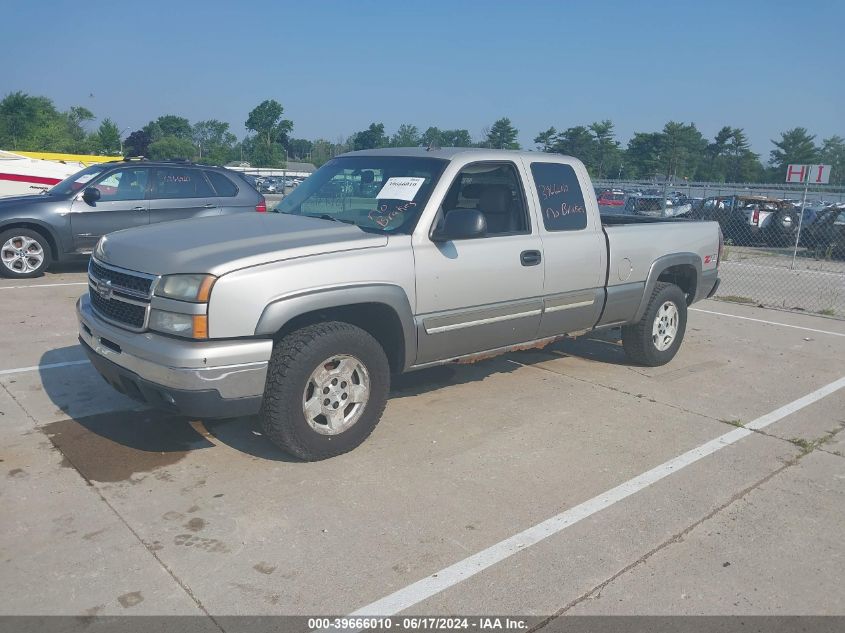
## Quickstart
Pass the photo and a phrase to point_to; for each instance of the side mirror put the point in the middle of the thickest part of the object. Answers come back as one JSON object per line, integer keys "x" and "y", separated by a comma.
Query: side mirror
{"x": 461, "y": 224}
{"x": 91, "y": 195}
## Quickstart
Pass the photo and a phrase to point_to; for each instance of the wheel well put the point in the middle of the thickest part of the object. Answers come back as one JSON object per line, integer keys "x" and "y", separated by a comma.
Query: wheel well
{"x": 684, "y": 276}
{"x": 377, "y": 319}
{"x": 51, "y": 241}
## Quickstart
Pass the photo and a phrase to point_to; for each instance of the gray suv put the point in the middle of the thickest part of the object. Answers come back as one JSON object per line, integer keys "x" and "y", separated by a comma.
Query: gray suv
{"x": 66, "y": 222}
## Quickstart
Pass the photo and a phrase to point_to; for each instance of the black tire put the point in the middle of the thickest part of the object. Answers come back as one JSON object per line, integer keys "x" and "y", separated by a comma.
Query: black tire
{"x": 293, "y": 360}
{"x": 637, "y": 338}
{"x": 782, "y": 230}
{"x": 42, "y": 244}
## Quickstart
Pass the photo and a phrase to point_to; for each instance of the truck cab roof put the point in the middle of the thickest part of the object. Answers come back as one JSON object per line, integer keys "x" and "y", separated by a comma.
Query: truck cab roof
{"x": 451, "y": 153}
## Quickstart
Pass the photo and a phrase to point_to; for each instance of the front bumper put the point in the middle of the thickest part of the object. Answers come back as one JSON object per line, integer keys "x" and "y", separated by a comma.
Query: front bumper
{"x": 203, "y": 379}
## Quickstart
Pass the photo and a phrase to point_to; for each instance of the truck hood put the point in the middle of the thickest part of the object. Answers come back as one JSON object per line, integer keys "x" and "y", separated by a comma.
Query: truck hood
{"x": 221, "y": 244}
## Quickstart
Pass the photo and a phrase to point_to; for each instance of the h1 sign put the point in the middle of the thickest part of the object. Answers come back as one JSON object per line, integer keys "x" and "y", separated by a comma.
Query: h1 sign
{"x": 813, "y": 174}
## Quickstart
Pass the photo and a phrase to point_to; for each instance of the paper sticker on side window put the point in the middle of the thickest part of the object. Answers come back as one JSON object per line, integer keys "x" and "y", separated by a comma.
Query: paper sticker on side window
{"x": 400, "y": 188}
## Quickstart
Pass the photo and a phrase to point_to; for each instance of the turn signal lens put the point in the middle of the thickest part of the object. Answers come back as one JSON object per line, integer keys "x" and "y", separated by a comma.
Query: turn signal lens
{"x": 178, "y": 324}
{"x": 200, "y": 326}
{"x": 205, "y": 289}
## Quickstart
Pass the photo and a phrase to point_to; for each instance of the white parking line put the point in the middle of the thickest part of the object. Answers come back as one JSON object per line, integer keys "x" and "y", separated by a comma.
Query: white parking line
{"x": 74, "y": 283}
{"x": 796, "y": 327}
{"x": 23, "y": 370}
{"x": 460, "y": 571}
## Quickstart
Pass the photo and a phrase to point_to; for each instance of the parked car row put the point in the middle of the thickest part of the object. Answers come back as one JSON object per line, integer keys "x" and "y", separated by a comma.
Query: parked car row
{"x": 649, "y": 202}
{"x": 754, "y": 220}
{"x": 826, "y": 233}
{"x": 749, "y": 220}
{"x": 276, "y": 184}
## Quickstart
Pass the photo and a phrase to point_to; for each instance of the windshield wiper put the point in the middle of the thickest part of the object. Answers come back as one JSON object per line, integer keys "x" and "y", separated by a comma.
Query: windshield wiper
{"x": 326, "y": 216}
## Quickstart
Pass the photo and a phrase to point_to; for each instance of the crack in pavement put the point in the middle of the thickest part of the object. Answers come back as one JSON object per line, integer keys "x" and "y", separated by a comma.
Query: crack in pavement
{"x": 675, "y": 538}
{"x": 615, "y": 389}
{"x": 119, "y": 516}
{"x": 817, "y": 446}
{"x": 679, "y": 536}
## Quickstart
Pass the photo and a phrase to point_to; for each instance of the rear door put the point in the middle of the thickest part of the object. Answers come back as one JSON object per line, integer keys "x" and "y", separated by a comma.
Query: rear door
{"x": 574, "y": 248}
{"x": 181, "y": 192}
{"x": 123, "y": 204}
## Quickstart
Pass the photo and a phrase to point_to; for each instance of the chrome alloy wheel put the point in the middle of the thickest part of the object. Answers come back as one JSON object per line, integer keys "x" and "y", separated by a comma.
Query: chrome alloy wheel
{"x": 665, "y": 326}
{"x": 336, "y": 394}
{"x": 22, "y": 254}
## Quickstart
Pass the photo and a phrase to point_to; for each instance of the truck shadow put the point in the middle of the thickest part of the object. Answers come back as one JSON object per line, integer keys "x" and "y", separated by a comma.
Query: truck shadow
{"x": 601, "y": 347}
{"x": 79, "y": 266}
{"x": 129, "y": 438}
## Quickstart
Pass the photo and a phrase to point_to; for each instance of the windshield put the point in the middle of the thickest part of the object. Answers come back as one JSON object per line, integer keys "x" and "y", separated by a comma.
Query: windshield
{"x": 377, "y": 193}
{"x": 78, "y": 180}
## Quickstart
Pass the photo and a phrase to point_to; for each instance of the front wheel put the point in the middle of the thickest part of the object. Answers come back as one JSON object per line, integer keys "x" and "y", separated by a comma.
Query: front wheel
{"x": 655, "y": 339}
{"x": 327, "y": 387}
{"x": 24, "y": 254}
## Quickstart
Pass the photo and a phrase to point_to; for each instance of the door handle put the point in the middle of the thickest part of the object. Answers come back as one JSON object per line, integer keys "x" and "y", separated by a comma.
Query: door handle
{"x": 209, "y": 205}
{"x": 530, "y": 258}
{"x": 139, "y": 208}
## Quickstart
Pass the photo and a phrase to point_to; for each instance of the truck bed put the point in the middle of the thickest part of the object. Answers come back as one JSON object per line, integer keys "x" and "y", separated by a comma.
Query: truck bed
{"x": 616, "y": 219}
{"x": 634, "y": 248}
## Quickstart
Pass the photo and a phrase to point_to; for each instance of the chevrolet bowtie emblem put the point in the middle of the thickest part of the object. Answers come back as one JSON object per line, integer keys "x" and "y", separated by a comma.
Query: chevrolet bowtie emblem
{"x": 104, "y": 289}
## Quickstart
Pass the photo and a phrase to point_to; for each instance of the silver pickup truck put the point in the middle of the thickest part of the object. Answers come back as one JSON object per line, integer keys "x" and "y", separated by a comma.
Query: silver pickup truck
{"x": 383, "y": 261}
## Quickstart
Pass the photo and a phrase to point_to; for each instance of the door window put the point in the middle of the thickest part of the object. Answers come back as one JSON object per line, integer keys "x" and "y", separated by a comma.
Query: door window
{"x": 496, "y": 191}
{"x": 123, "y": 184}
{"x": 174, "y": 182}
{"x": 224, "y": 187}
{"x": 561, "y": 199}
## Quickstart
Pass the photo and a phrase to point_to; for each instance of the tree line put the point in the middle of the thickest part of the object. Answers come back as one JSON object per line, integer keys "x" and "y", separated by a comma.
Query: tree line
{"x": 679, "y": 150}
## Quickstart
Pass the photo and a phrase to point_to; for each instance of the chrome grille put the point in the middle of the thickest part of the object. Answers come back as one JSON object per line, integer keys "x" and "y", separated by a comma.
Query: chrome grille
{"x": 124, "y": 280}
{"x": 119, "y": 312}
{"x": 121, "y": 297}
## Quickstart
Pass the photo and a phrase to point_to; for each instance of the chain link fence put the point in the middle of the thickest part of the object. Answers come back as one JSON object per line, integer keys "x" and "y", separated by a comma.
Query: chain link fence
{"x": 778, "y": 252}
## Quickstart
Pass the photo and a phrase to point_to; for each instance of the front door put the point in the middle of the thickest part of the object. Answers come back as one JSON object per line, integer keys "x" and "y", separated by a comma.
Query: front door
{"x": 479, "y": 294}
{"x": 123, "y": 204}
{"x": 179, "y": 193}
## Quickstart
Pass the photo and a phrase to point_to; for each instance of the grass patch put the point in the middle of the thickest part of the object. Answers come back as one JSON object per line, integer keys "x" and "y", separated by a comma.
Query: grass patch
{"x": 736, "y": 299}
{"x": 807, "y": 446}
{"x": 827, "y": 312}
{"x": 738, "y": 423}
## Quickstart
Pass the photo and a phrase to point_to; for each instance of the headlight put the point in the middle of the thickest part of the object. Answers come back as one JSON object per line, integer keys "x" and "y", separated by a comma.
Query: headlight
{"x": 100, "y": 248}
{"x": 188, "y": 325}
{"x": 195, "y": 288}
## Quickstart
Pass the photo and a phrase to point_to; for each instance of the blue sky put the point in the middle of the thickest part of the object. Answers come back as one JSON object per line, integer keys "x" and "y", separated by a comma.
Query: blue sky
{"x": 764, "y": 66}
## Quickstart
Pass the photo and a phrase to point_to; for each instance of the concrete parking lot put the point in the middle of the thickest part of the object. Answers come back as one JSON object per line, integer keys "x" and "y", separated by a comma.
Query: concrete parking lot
{"x": 560, "y": 481}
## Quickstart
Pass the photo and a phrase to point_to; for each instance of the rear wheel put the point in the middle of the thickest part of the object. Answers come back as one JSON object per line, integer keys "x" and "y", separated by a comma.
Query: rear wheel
{"x": 24, "y": 253}
{"x": 655, "y": 339}
{"x": 326, "y": 389}
{"x": 782, "y": 229}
